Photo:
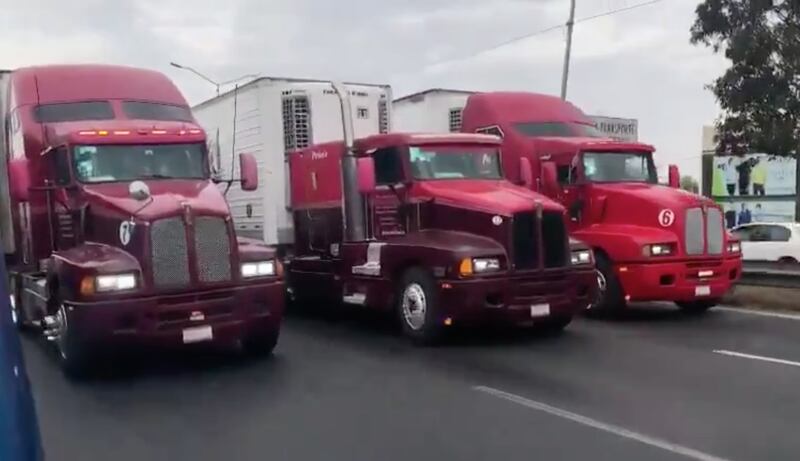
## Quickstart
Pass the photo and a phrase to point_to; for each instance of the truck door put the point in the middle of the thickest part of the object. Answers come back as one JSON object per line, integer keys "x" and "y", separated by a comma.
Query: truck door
{"x": 386, "y": 204}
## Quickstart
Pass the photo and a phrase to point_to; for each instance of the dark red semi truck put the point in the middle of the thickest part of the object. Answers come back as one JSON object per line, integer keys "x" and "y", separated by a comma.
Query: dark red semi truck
{"x": 652, "y": 242}
{"x": 119, "y": 236}
{"x": 425, "y": 227}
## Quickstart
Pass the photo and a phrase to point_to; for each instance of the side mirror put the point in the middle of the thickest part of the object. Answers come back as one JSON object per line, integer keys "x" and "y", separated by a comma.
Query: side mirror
{"x": 526, "y": 172}
{"x": 674, "y": 177}
{"x": 248, "y": 171}
{"x": 20, "y": 179}
{"x": 366, "y": 175}
{"x": 550, "y": 186}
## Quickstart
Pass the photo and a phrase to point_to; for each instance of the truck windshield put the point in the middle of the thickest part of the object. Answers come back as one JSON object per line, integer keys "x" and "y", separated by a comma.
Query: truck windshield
{"x": 619, "y": 167}
{"x": 557, "y": 130}
{"x": 454, "y": 163}
{"x": 111, "y": 163}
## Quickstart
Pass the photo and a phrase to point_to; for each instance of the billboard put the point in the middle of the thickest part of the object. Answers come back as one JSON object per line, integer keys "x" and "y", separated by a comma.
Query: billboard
{"x": 621, "y": 129}
{"x": 750, "y": 211}
{"x": 753, "y": 175}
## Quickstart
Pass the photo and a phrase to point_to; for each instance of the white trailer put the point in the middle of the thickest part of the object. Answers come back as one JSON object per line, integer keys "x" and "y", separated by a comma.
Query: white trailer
{"x": 439, "y": 110}
{"x": 269, "y": 117}
{"x": 6, "y": 224}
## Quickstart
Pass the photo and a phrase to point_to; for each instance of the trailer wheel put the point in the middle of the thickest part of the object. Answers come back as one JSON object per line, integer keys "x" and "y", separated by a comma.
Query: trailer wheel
{"x": 609, "y": 290}
{"x": 417, "y": 306}
{"x": 73, "y": 356}
{"x": 261, "y": 344}
{"x": 697, "y": 307}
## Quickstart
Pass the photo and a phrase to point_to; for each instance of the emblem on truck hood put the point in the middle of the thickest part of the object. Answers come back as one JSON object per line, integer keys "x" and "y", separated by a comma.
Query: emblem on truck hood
{"x": 497, "y": 220}
{"x": 125, "y": 232}
{"x": 666, "y": 217}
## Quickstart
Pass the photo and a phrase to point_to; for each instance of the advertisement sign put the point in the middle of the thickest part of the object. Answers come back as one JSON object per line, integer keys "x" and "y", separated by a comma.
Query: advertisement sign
{"x": 759, "y": 175}
{"x": 751, "y": 211}
{"x": 621, "y": 129}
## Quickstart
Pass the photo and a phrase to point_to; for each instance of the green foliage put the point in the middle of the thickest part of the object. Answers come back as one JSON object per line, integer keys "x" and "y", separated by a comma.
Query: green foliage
{"x": 690, "y": 184}
{"x": 760, "y": 92}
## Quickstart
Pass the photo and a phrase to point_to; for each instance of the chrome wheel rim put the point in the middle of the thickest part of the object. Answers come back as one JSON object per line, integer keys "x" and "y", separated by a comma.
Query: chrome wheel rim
{"x": 13, "y": 303}
{"x": 602, "y": 286}
{"x": 62, "y": 328}
{"x": 414, "y": 306}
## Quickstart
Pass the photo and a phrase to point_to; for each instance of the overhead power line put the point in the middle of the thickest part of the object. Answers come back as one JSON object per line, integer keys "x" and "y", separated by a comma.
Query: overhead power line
{"x": 540, "y": 32}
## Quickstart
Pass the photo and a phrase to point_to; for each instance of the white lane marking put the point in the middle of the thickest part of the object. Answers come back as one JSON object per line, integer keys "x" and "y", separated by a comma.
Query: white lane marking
{"x": 757, "y": 357}
{"x": 586, "y": 421}
{"x": 777, "y": 315}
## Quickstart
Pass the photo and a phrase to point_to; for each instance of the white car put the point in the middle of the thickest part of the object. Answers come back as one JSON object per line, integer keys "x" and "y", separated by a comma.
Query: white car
{"x": 769, "y": 241}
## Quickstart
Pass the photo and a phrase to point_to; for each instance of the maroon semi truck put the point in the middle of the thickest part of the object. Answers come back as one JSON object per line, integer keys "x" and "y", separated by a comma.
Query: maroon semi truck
{"x": 425, "y": 227}
{"x": 119, "y": 236}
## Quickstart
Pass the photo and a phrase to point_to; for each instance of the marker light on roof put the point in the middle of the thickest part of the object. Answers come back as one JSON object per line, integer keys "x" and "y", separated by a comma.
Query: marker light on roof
{"x": 103, "y": 133}
{"x": 195, "y": 131}
{"x": 122, "y": 132}
{"x": 87, "y": 133}
{"x": 159, "y": 131}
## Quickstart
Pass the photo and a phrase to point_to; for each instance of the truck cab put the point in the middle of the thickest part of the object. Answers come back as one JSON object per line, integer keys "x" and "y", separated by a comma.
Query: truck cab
{"x": 652, "y": 242}
{"x": 121, "y": 236}
{"x": 448, "y": 240}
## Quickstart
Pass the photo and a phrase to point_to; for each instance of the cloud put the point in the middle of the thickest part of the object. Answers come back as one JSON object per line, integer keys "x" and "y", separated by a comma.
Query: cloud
{"x": 633, "y": 64}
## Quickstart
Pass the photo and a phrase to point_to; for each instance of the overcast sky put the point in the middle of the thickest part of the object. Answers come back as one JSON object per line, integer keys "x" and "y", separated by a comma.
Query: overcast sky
{"x": 636, "y": 64}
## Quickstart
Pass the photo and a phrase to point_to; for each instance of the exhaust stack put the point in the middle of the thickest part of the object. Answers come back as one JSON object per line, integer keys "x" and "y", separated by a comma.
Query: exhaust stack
{"x": 354, "y": 228}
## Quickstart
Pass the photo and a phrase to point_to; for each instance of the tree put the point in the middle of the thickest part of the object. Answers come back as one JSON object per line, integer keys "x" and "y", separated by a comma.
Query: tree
{"x": 690, "y": 184}
{"x": 760, "y": 92}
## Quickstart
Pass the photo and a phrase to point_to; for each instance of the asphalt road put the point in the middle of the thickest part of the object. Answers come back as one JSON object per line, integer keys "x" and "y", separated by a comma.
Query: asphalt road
{"x": 648, "y": 387}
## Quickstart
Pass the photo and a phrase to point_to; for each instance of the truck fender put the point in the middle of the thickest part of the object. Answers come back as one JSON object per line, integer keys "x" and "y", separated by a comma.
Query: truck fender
{"x": 623, "y": 242}
{"x": 89, "y": 259}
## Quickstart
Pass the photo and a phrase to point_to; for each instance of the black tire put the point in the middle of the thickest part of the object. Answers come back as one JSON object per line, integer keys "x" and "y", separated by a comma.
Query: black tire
{"x": 609, "y": 300}
{"x": 75, "y": 357}
{"x": 697, "y": 307}
{"x": 261, "y": 344}
{"x": 552, "y": 326}
{"x": 424, "y": 328}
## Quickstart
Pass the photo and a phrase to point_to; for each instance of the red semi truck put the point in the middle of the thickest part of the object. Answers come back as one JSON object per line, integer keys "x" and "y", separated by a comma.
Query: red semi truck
{"x": 651, "y": 242}
{"x": 425, "y": 226}
{"x": 120, "y": 237}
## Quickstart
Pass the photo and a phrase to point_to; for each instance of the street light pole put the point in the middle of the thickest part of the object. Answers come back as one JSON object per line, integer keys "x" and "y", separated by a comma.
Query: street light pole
{"x": 568, "y": 51}
{"x": 217, "y": 85}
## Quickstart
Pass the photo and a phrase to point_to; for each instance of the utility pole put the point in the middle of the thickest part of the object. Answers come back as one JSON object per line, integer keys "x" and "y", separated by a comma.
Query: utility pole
{"x": 568, "y": 51}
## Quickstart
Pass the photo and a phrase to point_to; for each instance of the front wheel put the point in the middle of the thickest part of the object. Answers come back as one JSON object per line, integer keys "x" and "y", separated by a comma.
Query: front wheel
{"x": 417, "y": 306}
{"x": 610, "y": 299}
{"x": 74, "y": 357}
{"x": 697, "y": 307}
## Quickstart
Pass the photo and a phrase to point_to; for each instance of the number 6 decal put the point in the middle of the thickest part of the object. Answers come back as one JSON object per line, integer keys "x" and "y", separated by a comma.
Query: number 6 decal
{"x": 666, "y": 217}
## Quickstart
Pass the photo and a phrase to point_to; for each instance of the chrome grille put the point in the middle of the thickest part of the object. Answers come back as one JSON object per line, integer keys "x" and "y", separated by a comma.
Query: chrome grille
{"x": 715, "y": 231}
{"x": 213, "y": 249}
{"x": 169, "y": 256}
{"x": 694, "y": 231}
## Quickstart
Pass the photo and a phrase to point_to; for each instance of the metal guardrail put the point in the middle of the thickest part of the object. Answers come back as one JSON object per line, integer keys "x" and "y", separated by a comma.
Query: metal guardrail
{"x": 770, "y": 274}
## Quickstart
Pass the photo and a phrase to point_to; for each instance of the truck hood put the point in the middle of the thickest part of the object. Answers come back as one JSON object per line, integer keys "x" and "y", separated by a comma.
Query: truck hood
{"x": 169, "y": 197}
{"x": 499, "y": 197}
{"x": 641, "y": 204}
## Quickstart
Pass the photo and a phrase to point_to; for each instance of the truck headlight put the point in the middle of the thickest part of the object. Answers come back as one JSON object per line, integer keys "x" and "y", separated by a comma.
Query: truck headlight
{"x": 259, "y": 269}
{"x": 659, "y": 249}
{"x": 734, "y": 247}
{"x": 107, "y": 283}
{"x": 581, "y": 257}
{"x": 471, "y": 266}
